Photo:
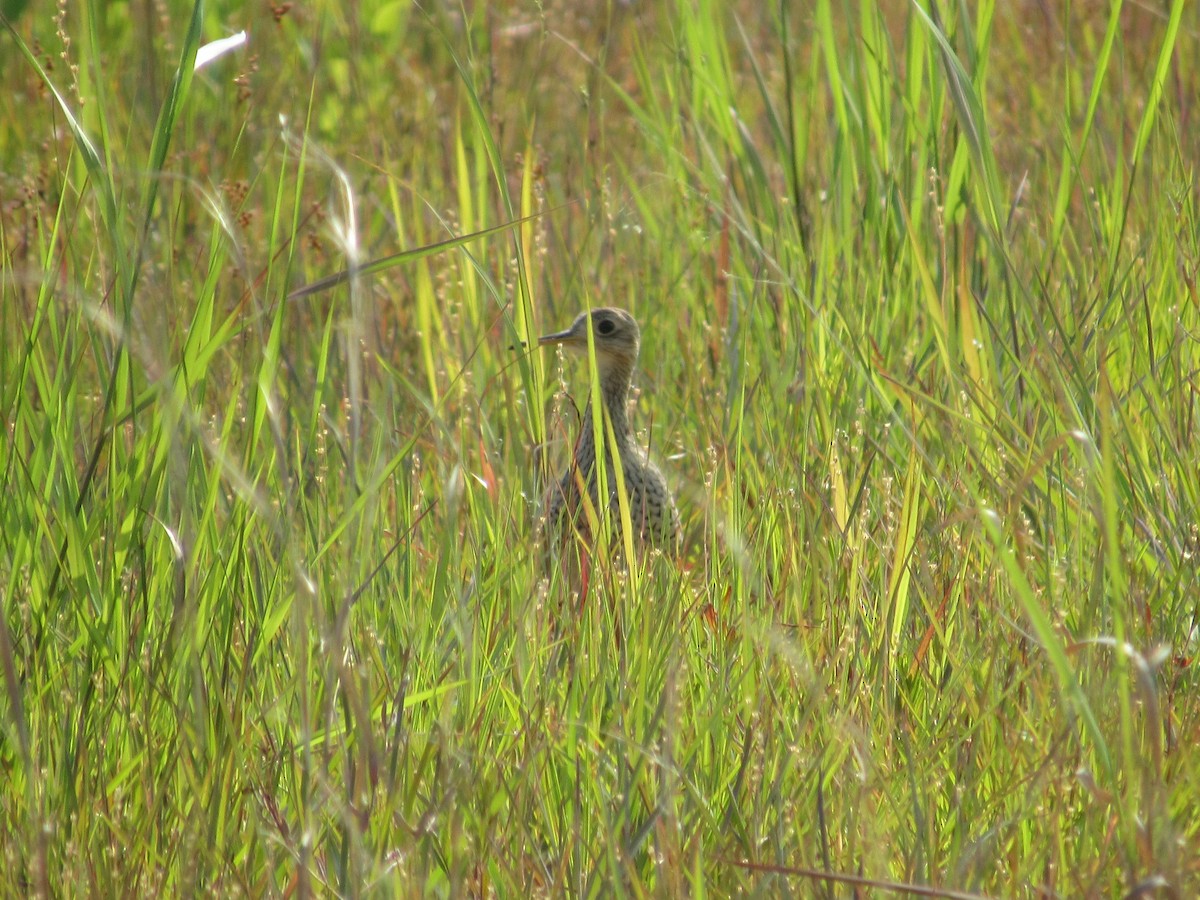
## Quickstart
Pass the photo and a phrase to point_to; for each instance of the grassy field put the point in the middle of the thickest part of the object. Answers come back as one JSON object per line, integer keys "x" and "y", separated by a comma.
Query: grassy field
{"x": 921, "y": 358}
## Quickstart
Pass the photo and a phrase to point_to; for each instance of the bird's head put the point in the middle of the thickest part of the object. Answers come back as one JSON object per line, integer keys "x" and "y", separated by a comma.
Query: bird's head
{"x": 614, "y": 331}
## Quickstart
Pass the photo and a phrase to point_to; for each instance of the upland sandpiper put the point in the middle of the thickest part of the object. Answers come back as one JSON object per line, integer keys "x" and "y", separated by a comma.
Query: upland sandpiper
{"x": 652, "y": 511}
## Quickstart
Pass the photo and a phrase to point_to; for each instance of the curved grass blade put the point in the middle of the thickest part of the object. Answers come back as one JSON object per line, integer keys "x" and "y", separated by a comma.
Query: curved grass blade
{"x": 395, "y": 259}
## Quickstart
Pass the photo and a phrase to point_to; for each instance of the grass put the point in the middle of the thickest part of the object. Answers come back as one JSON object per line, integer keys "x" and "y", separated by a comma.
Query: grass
{"x": 917, "y": 284}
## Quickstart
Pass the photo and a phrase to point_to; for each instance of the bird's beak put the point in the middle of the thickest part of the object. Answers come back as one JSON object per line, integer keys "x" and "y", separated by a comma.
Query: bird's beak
{"x": 558, "y": 337}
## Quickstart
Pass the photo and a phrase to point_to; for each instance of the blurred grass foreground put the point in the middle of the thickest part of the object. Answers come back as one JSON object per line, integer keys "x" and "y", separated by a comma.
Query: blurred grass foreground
{"x": 917, "y": 283}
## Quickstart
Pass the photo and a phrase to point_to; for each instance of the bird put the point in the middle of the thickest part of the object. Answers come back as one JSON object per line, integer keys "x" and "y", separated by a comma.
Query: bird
{"x": 652, "y": 511}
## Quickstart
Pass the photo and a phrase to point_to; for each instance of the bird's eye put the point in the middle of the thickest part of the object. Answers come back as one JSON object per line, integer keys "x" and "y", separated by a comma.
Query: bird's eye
{"x": 605, "y": 327}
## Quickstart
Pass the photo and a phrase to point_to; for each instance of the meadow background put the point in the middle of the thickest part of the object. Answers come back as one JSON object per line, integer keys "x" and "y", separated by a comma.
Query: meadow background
{"x": 921, "y": 358}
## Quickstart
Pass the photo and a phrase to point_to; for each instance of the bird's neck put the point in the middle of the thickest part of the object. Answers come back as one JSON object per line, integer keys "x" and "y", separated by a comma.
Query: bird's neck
{"x": 614, "y": 400}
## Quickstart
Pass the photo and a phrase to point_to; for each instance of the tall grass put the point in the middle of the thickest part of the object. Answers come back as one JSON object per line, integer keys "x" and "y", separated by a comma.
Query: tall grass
{"x": 917, "y": 291}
